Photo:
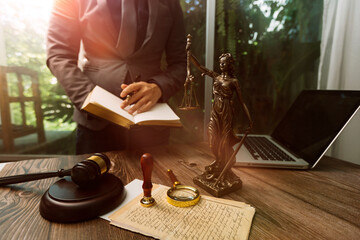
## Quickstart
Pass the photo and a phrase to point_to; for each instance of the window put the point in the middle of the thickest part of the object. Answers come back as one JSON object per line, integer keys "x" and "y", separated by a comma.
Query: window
{"x": 276, "y": 46}
{"x": 23, "y": 26}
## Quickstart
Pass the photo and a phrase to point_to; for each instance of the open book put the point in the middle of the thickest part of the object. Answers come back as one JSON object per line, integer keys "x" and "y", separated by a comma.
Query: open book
{"x": 104, "y": 104}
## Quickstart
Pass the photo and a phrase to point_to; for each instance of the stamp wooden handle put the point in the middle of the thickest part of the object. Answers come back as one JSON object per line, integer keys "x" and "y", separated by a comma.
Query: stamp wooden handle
{"x": 147, "y": 163}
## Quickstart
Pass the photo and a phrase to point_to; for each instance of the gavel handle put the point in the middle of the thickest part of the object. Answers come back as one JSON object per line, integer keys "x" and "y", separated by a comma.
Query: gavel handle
{"x": 33, "y": 176}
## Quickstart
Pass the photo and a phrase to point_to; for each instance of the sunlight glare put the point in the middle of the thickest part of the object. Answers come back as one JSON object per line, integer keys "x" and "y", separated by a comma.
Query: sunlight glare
{"x": 25, "y": 13}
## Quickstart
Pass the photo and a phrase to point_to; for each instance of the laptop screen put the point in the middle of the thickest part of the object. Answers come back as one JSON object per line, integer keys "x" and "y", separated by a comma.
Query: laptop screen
{"x": 314, "y": 120}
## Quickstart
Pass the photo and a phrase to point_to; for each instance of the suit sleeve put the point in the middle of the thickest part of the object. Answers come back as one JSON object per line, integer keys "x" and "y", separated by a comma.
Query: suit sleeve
{"x": 174, "y": 76}
{"x": 63, "y": 44}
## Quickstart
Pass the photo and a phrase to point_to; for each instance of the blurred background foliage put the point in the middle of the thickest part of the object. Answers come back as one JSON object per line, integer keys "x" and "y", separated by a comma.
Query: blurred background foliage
{"x": 275, "y": 43}
{"x": 276, "y": 46}
{"x": 24, "y": 36}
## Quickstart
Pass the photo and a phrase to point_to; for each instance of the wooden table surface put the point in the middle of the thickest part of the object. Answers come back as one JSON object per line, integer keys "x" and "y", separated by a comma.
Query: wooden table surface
{"x": 323, "y": 203}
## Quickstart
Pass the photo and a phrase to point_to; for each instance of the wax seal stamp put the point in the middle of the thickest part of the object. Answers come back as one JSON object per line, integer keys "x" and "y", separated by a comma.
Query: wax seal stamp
{"x": 147, "y": 163}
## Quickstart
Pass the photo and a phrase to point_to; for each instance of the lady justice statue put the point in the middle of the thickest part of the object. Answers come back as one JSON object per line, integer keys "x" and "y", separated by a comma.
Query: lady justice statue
{"x": 218, "y": 178}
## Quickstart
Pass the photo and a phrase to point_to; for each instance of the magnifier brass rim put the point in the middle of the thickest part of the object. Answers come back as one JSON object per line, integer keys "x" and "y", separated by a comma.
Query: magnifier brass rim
{"x": 183, "y": 203}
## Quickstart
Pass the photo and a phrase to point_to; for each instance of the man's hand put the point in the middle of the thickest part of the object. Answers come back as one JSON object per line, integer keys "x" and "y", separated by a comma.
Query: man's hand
{"x": 144, "y": 95}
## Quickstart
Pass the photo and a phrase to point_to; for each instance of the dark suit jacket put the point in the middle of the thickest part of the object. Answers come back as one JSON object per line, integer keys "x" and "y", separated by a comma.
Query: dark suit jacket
{"x": 90, "y": 22}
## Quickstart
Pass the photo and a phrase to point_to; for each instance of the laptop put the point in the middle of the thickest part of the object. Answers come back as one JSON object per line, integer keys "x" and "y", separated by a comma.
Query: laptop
{"x": 304, "y": 134}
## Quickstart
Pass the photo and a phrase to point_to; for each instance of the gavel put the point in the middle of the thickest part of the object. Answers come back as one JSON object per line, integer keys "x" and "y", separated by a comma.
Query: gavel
{"x": 84, "y": 173}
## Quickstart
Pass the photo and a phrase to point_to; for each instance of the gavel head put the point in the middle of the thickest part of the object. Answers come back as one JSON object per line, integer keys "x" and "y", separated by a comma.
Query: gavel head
{"x": 86, "y": 172}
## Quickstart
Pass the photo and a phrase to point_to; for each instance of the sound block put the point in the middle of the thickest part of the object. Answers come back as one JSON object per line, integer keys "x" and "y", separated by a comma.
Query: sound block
{"x": 66, "y": 202}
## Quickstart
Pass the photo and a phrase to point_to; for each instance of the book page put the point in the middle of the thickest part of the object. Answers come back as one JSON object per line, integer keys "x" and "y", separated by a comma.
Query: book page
{"x": 109, "y": 101}
{"x": 159, "y": 112}
{"x": 211, "y": 218}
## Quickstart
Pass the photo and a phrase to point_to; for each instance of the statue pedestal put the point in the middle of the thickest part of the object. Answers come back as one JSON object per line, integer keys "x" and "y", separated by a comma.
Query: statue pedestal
{"x": 228, "y": 184}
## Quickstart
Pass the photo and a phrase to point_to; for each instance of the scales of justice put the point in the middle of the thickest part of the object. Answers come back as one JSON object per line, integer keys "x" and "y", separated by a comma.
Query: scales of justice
{"x": 218, "y": 178}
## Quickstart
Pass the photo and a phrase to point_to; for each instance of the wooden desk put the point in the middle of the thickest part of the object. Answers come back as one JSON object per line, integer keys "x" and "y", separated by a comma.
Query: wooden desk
{"x": 323, "y": 203}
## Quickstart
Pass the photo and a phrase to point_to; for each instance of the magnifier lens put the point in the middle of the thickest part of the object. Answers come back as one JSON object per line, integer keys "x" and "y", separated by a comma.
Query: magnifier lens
{"x": 183, "y": 194}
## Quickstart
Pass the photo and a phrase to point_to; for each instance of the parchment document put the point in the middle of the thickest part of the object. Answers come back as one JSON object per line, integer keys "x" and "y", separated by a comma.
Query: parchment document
{"x": 211, "y": 218}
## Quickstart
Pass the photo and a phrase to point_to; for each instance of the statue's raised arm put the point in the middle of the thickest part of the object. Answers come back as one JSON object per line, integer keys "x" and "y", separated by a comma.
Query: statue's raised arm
{"x": 197, "y": 64}
{"x": 204, "y": 70}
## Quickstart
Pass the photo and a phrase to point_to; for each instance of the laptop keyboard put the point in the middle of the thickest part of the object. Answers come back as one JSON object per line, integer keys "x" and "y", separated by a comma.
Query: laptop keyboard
{"x": 263, "y": 149}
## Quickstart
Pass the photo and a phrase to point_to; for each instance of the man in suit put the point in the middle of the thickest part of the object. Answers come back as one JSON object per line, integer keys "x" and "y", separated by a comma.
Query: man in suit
{"x": 123, "y": 43}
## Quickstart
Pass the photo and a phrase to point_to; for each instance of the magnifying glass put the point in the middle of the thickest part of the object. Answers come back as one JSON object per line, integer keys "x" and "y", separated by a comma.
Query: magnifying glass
{"x": 181, "y": 195}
